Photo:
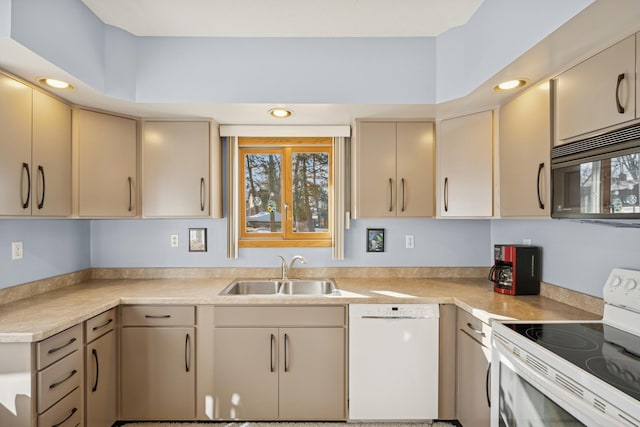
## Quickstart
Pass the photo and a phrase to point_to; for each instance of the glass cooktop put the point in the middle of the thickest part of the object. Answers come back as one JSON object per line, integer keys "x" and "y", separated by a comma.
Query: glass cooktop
{"x": 608, "y": 353}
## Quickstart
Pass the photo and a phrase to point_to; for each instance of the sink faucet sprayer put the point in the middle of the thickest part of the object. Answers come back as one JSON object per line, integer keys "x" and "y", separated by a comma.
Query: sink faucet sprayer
{"x": 285, "y": 269}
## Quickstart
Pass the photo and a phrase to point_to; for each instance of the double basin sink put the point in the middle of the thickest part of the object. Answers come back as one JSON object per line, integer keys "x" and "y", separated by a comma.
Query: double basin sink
{"x": 281, "y": 287}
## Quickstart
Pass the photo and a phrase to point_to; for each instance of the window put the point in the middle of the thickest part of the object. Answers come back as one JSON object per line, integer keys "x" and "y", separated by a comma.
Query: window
{"x": 286, "y": 191}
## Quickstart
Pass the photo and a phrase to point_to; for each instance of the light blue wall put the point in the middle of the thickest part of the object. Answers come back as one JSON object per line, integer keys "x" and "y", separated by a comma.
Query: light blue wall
{"x": 145, "y": 243}
{"x": 575, "y": 255}
{"x": 51, "y": 248}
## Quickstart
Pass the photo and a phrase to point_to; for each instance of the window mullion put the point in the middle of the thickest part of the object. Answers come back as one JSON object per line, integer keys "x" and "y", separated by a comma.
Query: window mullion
{"x": 287, "y": 191}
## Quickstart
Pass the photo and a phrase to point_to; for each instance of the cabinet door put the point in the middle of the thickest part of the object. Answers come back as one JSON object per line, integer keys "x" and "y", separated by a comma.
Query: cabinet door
{"x": 465, "y": 164}
{"x": 245, "y": 373}
{"x": 51, "y": 156}
{"x": 376, "y": 169}
{"x": 176, "y": 169}
{"x": 158, "y": 373}
{"x": 472, "y": 404}
{"x": 414, "y": 151}
{"x": 598, "y": 92}
{"x": 312, "y": 373}
{"x": 525, "y": 145}
{"x": 107, "y": 165}
{"x": 15, "y": 146}
{"x": 100, "y": 381}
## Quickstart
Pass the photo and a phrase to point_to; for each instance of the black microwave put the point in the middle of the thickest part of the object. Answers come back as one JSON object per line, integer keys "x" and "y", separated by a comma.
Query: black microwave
{"x": 598, "y": 177}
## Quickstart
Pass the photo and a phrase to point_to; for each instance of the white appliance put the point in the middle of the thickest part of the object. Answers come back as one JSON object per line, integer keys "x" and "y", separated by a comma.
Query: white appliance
{"x": 571, "y": 373}
{"x": 393, "y": 361}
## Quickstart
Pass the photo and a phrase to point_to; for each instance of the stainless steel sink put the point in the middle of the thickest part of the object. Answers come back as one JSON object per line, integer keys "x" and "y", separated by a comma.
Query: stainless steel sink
{"x": 281, "y": 287}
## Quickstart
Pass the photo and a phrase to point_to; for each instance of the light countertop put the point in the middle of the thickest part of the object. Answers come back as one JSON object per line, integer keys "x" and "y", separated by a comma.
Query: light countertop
{"x": 36, "y": 318}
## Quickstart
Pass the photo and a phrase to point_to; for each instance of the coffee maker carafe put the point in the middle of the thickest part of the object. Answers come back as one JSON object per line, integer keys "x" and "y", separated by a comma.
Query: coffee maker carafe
{"x": 516, "y": 269}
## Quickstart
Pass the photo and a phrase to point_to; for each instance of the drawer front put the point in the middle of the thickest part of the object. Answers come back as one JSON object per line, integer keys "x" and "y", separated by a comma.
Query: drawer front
{"x": 67, "y": 413}
{"x": 56, "y": 347}
{"x": 58, "y": 380}
{"x": 275, "y": 316}
{"x": 158, "y": 315}
{"x": 474, "y": 327}
{"x": 100, "y": 324}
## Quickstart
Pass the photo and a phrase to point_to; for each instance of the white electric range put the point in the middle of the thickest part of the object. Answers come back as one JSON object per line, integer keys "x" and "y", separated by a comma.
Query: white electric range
{"x": 571, "y": 373}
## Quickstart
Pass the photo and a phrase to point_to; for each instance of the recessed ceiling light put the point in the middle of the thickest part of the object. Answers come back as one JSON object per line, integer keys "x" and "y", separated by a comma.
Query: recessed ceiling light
{"x": 280, "y": 113}
{"x": 55, "y": 84}
{"x": 510, "y": 84}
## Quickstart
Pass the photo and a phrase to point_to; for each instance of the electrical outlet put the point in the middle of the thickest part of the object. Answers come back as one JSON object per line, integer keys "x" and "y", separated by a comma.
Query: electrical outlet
{"x": 16, "y": 250}
{"x": 174, "y": 240}
{"x": 409, "y": 242}
{"x": 526, "y": 241}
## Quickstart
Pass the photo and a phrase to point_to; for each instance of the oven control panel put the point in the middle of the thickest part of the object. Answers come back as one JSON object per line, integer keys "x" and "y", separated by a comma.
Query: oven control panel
{"x": 623, "y": 288}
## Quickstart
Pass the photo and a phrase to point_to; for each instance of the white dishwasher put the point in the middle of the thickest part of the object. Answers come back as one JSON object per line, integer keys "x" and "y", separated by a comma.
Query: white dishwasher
{"x": 393, "y": 361}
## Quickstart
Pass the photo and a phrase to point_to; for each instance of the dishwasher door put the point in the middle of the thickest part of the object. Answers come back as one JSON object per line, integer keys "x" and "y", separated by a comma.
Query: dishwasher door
{"x": 393, "y": 361}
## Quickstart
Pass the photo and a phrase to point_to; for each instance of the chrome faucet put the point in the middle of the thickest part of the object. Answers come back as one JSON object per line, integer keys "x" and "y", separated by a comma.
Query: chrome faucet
{"x": 285, "y": 268}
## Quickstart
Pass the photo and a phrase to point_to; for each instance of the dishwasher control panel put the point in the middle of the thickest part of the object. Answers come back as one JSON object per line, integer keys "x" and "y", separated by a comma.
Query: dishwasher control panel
{"x": 391, "y": 311}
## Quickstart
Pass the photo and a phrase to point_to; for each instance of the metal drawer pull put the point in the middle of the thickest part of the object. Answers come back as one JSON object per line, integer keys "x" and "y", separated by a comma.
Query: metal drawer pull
{"x": 187, "y": 353}
{"x": 53, "y": 350}
{"x": 73, "y": 411}
{"x": 390, "y": 195}
{"x": 95, "y": 358}
{"x": 54, "y": 385}
{"x": 25, "y": 167}
{"x": 477, "y": 331}
{"x": 402, "y": 209}
{"x": 446, "y": 194}
{"x": 487, "y": 387}
{"x": 130, "y": 193}
{"x": 618, "y": 104}
{"x": 161, "y": 316}
{"x": 286, "y": 353}
{"x": 41, "y": 173}
{"x": 273, "y": 341}
{"x": 95, "y": 328}
{"x": 540, "y": 167}
{"x": 202, "y": 194}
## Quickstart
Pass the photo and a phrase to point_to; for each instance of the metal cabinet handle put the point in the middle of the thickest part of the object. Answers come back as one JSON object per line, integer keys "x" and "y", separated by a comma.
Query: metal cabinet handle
{"x": 73, "y": 411}
{"x": 272, "y": 358}
{"x": 130, "y": 193}
{"x": 540, "y": 168}
{"x": 487, "y": 387}
{"x": 477, "y": 331}
{"x": 41, "y": 173}
{"x": 153, "y": 316}
{"x": 402, "y": 180}
{"x": 618, "y": 104}
{"x": 390, "y": 195}
{"x": 25, "y": 204}
{"x": 286, "y": 353}
{"x": 94, "y": 352}
{"x": 187, "y": 353}
{"x": 446, "y": 194}
{"x": 95, "y": 328}
{"x": 202, "y": 194}
{"x": 53, "y": 350}
{"x": 54, "y": 385}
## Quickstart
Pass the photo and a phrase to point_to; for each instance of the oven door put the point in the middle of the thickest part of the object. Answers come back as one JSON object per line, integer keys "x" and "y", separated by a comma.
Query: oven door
{"x": 523, "y": 397}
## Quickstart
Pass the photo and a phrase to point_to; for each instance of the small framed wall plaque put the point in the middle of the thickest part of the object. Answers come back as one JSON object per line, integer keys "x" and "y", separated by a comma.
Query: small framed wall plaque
{"x": 197, "y": 240}
{"x": 375, "y": 239}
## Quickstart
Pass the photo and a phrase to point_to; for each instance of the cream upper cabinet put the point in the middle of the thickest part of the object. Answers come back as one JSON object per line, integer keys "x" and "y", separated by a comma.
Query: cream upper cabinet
{"x": 525, "y": 145}
{"x": 106, "y": 165}
{"x": 395, "y": 169}
{"x": 465, "y": 166}
{"x": 35, "y": 166}
{"x": 176, "y": 169}
{"x": 598, "y": 92}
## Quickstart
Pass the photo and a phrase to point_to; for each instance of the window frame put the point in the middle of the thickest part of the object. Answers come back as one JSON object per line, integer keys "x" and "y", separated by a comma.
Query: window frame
{"x": 286, "y": 147}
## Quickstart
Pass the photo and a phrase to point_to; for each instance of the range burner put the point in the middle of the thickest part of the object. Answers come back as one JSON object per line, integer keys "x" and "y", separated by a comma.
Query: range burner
{"x": 617, "y": 373}
{"x": 549, "y": 336}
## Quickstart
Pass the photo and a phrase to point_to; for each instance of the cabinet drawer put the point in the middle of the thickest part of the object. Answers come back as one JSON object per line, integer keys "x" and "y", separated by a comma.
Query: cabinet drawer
{"x": 58, "y": 380}
{"x": 100, "y": 324}
{"x": 56, "y": 347}
{"x": 280, "y": 316}
{"x": 158, "y": 315}
{"x": 474, "y": 327}
{"x": 65, "y": 414}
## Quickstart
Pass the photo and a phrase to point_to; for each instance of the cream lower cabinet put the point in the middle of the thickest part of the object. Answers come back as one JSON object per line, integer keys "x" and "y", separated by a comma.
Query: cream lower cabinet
{"x": 158, "y": 369}
{"x": 525, "y": 147}
{"x": 101, "y": 370}
{"x": 473, "y": 371}
{"x": 465, "y": 166}
{"x": 279, "y": 363}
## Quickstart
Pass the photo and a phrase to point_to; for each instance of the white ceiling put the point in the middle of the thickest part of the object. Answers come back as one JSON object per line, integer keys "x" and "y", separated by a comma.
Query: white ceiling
{"x": 285, "y": 18}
